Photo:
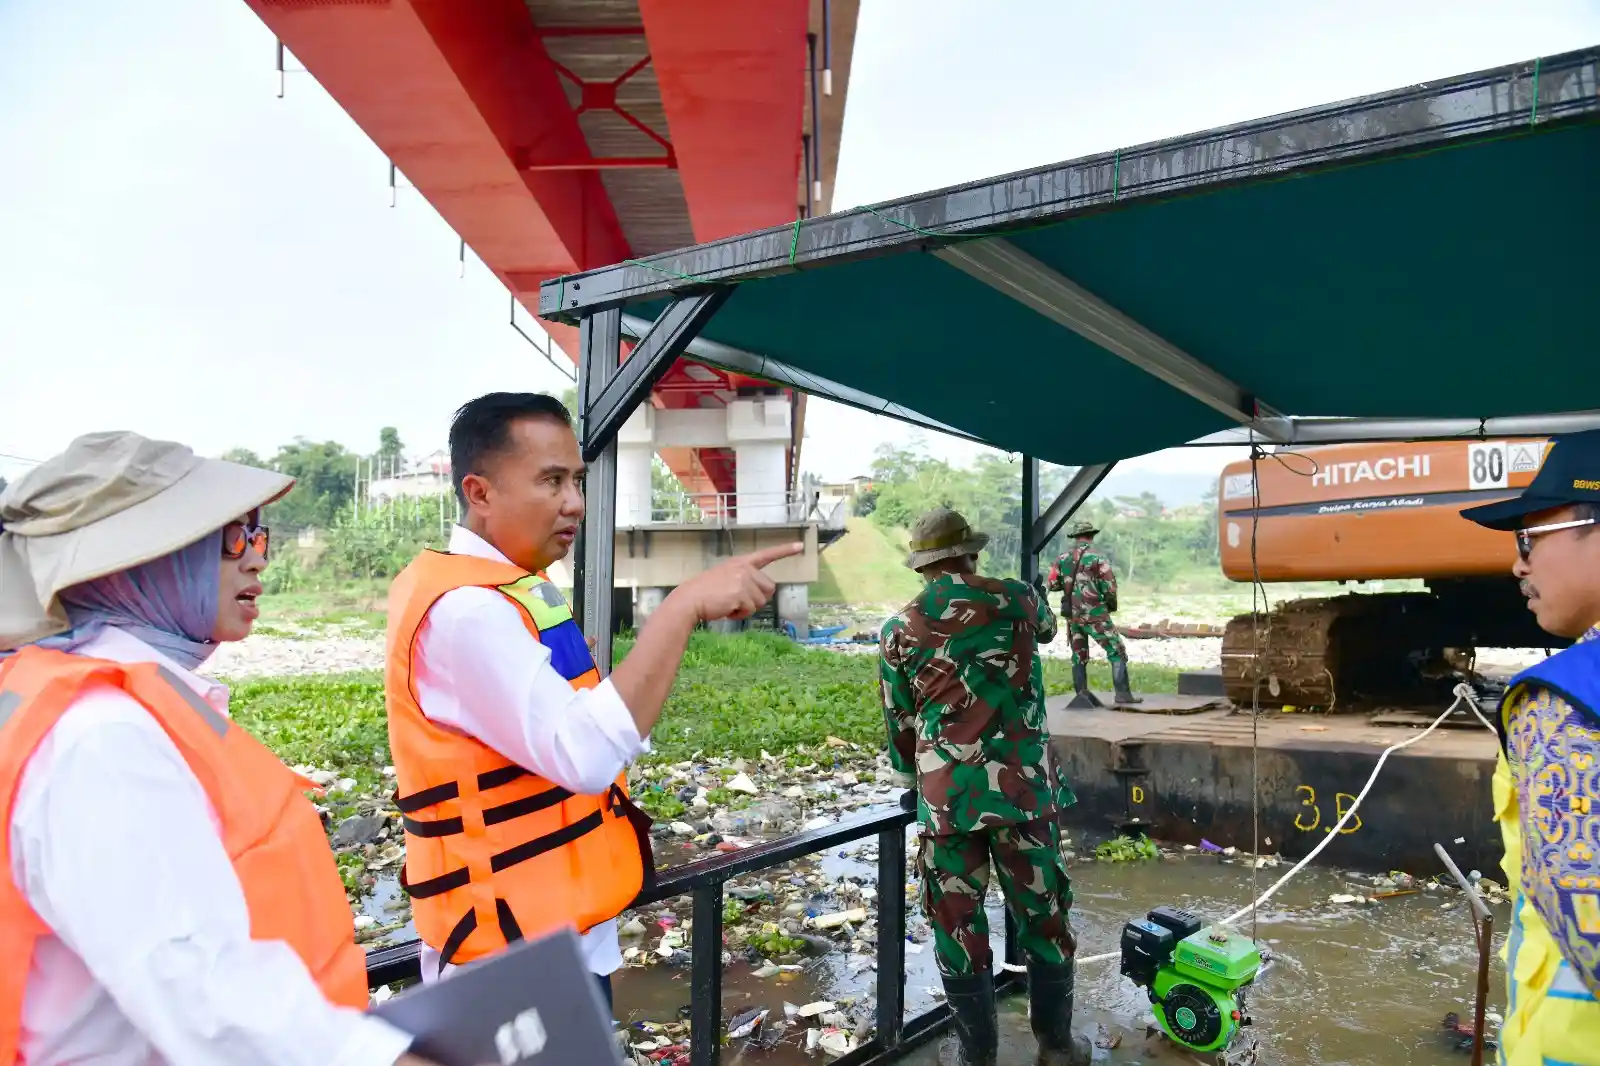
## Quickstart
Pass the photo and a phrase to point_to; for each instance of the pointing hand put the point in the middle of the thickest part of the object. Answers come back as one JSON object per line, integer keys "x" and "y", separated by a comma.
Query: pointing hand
{"x": 736, "y": 588}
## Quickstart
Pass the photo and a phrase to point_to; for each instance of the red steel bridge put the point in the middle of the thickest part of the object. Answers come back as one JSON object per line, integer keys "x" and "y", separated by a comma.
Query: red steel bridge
{"x": 557, "y": 136}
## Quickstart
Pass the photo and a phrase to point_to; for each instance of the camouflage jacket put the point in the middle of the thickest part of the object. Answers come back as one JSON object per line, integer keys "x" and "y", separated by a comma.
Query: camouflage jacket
{"x": 1095, "y": 590}
{"x": 963, "y": 700}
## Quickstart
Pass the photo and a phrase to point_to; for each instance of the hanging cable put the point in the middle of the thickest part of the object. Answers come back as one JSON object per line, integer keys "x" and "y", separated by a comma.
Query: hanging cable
{"x": 1255, "y": 651}
{"x": 1463, "y": 694}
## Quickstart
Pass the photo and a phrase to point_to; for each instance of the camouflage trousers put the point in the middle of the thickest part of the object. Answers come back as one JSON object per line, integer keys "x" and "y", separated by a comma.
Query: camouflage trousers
{"x": 954, "y": 871}
{"x": 1103, "y": 631}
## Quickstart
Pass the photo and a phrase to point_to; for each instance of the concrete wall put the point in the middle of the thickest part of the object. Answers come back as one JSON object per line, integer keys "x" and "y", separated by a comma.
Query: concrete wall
{"x": 1193, "y": 790}
{"x": 667, "y": 557}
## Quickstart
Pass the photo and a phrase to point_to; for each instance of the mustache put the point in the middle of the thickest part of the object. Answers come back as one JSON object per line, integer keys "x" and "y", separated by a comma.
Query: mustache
{"x": 1526, "y": 588}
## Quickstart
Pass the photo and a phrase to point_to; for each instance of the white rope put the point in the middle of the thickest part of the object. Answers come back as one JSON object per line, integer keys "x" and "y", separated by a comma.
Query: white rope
{"x": 1463, "y": 693}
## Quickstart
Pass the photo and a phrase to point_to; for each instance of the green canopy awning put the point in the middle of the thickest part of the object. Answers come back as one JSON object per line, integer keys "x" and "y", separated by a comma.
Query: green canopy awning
{"x": 1420, "y": 254}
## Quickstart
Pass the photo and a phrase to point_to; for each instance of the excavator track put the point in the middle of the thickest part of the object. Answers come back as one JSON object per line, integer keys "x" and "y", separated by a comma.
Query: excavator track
{"x": 1341, "y": 653}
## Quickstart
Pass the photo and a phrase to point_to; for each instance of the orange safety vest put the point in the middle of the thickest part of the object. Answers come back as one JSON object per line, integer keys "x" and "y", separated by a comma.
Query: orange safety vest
{"x": 495, "y": 852}
{"x": 271, "y": 832}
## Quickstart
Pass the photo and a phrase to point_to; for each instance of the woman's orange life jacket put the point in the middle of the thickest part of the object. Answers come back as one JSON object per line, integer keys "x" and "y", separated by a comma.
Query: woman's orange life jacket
{"x": 271, "y": 832}
{"x": 495, "y": 852}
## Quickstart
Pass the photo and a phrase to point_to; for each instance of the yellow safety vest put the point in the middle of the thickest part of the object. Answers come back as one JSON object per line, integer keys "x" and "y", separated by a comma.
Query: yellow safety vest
{"x": 1551, "y": 1017}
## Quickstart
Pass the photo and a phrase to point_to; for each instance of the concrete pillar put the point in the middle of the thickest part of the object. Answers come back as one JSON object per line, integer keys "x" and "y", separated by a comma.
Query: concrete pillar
{"x": 794, "y": 607}
{"x": 645, "y": 602}
{"x": 635, "y": 454}
{"x": 759, "y": 483}
{"x": 758, "y": 431}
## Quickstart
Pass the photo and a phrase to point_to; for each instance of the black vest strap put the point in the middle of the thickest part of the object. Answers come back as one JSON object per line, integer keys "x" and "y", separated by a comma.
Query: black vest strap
{"x": 428, "y": 797}
{"x": 460, "y": 878}
{"x": 469, "y": 921}
{"x": 443, "y": 827}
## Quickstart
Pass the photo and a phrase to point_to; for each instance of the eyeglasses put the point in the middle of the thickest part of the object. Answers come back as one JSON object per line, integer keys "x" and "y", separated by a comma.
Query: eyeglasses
{"x": 236, "y": 537}
{"x": 1525, "y": 536}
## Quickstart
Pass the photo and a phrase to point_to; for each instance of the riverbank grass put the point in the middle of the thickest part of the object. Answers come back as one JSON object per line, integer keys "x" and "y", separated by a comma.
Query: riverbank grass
{"x": 736, "y": 696}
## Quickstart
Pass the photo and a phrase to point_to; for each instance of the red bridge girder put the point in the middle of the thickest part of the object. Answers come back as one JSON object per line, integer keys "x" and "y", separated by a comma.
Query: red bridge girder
{"x": 453, "y": 91}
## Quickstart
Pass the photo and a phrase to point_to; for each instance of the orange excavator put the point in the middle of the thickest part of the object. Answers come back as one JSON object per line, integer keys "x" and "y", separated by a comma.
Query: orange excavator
{"x": 1355, "y": 513}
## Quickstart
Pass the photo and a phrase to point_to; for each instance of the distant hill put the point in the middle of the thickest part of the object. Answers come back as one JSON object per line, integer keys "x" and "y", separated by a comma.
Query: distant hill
{"x": 866, "y": 565}
{"x": 1173, "y": 490}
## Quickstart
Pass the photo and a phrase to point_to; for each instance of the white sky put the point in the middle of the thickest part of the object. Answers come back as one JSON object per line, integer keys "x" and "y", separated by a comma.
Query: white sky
{"x": 184, "y": 254}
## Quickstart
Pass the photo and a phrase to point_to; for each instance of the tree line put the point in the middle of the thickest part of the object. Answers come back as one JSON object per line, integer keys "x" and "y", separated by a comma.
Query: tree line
{"x": 1147, "y": 543}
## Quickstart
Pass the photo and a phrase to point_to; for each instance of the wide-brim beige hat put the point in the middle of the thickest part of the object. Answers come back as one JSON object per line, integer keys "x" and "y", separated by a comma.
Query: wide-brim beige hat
{"x": 942, "y": 534}
{"x": 108, "y": 503}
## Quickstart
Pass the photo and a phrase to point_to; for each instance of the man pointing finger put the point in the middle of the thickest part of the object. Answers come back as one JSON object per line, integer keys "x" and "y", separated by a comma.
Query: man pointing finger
{"x": 509, "y": 750}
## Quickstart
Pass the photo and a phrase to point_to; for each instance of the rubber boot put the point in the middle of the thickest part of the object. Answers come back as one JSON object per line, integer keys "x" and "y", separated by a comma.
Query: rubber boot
{"x": 1083, "y": 698}
{"x": 972, "y": 1013}
{"x": 1119, "y": 679}
{"x": 1050, "y": 1013}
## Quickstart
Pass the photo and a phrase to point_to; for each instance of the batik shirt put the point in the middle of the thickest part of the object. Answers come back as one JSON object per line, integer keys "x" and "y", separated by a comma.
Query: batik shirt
{"x": 1554, "y": 752}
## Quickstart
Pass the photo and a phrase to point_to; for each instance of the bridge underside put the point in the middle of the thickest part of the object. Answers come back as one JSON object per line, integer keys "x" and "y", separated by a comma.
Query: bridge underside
{"x": 558, "y": 136}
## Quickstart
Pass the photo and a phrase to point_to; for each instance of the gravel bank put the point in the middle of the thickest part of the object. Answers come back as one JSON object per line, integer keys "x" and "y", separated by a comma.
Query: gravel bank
{"x": 264, "y": 656}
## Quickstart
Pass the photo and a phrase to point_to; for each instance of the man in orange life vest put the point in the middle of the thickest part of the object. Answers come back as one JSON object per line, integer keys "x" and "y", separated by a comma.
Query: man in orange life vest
{"x": 509, "y": 749}
{"x": 167, "y": 894}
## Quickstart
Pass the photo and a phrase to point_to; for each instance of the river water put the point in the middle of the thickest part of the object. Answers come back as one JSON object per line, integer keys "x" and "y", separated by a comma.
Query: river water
{"x": 1346, "y": 984}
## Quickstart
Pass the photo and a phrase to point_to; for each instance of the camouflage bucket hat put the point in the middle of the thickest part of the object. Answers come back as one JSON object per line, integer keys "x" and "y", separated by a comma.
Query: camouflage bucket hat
{"x": 942, "y": 534}
{"x": 1082, "y": 528}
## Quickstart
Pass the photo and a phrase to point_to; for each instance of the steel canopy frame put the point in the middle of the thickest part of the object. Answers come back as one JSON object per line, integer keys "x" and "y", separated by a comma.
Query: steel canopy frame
{"x": 1006, "y": 268}
{"x": 750, "y": 364}
{"x": 1471, "y": 106}
{"x": 968, "y": 226}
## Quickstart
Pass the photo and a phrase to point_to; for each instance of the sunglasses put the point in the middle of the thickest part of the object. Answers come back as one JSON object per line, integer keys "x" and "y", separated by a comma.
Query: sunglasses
{"x": 1525, "y": 536}
{"x": 236, "y": 537}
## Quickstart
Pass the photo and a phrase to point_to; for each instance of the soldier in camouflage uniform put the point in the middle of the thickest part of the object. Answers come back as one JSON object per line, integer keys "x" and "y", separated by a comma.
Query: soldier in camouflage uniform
{"x": 963, "y": 696}
{"x": 1088, "y": 589}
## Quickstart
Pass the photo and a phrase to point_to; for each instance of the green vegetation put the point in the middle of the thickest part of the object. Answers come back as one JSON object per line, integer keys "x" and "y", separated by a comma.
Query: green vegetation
{"x": 333, "y": 721}
{"x": 347, "y": 607}
{"x": 736, "y": 696}
{"x": 1127, "y": 849}
{"x": 1150, "y": 547}
{"x": 770, "y": 939}
{"x": 866, "y": 565}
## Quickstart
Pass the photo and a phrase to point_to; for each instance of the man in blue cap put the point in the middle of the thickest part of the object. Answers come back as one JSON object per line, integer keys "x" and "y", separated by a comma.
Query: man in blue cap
{"x": 1547, "y": 779}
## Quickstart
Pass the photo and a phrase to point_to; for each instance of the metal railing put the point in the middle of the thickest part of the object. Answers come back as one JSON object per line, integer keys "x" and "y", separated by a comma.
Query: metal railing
{"x": 703, "y": 881}
{"x": 720, "y": 509}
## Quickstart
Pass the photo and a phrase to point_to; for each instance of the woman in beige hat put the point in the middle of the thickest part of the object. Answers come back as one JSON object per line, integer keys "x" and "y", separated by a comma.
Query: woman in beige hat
{"x": 167, "y": 894}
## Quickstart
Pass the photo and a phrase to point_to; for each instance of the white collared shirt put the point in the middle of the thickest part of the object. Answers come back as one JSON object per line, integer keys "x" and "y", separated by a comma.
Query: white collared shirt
{"x": 479, "y": 671}
{"x": 117, "y": 848}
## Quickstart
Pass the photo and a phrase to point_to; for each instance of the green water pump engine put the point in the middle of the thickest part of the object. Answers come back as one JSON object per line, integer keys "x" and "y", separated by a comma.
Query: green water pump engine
{"x": 1196, "y": 978}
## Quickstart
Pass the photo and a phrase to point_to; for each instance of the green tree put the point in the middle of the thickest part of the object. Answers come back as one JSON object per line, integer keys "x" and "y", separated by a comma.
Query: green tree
{"x": 391, "y": 453}
{"x": 245, "y": 457}
{"x": 325, "y": 484}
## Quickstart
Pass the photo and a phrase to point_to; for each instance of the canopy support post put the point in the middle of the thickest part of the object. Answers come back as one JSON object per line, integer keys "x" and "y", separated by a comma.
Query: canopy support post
{"x": 1030, "y": 519}
{"x": 594, "y": 569}
{"x": 1084, "y": 482}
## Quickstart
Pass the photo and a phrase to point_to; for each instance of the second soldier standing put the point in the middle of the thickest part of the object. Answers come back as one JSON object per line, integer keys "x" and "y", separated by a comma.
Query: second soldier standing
{"x": 1088, "y": 589}
{"x": 963, "y": 693}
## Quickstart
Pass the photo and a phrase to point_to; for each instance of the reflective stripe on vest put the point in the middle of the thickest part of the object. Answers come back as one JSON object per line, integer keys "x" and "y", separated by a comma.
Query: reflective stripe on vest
{"x": 273, "y": 836}
{"x": 495, "y": 852}
{"x": 1552, "y": 1019}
